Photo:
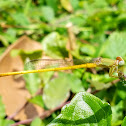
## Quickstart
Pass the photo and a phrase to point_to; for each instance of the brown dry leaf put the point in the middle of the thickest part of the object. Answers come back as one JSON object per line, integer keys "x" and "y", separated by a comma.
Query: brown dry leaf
{"x": 13, "y": 91}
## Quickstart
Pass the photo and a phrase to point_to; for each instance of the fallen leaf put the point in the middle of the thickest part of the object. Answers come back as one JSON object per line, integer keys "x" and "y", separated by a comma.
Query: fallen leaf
{"x": 13, "y": 91}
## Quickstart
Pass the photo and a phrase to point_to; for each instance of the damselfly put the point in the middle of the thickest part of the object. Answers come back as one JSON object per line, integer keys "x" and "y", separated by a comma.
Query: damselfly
{"x": 45, "y": 65}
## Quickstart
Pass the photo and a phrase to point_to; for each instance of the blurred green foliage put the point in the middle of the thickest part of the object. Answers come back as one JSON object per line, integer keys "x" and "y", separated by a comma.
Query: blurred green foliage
{"x": 100, "y": 29}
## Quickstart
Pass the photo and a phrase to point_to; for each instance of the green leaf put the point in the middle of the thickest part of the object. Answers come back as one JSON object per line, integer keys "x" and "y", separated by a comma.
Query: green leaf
{"x": 37, "y": 122}
{"x": 112, "y": 2}
{"x": 33, "y": 81}
{"x": 46, "y": 76}
{"x": 8, "y": 122}
{"x": 84, "y": 109}
{"x": 121, "y": 90}
{"x": 48, "y": 13}
{"x": 78, "y": 21}
{"x": 53, "y": 4}
{"x": 117, "y": 112}
{"x": 11, "y": 35}
{"x": 74, "y": 4}
{"x": 124, "y": 122}
{"x": 115, "y": 45}
{"x": 26, "y": 54}
{"x": 4, "y": 40}
{"x": 8, "y": 37}
{"x": 54, "y": 46}
{"x": 74, "y": 82}
{"x": 2, "y": 109}
{"x": 56, "y": 92}
{"x": 37, "y": 100}
{"x": 88, "y": 49}
{"x": 100, "y": 82}
{"x": 122, "y": 5}
{"x": 93, "y": 6}
{"x": 1, "y": 122}
{"x": 27, "y": 7}
{"x": 41, "y": 2}
{"x": 20, "y": 19}
{"x": 5, "y": 122}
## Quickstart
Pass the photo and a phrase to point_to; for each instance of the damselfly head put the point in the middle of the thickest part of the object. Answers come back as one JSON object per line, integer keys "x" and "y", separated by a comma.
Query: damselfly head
{"x": 120, "y": 60}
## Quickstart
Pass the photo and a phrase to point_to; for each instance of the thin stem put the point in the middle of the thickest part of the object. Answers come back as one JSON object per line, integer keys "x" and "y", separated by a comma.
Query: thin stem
{"x": 23, "y": 106}
{"x": 42, "y": 116}
{"x": 72, "y": 39}
{"x": 14, "y": 114}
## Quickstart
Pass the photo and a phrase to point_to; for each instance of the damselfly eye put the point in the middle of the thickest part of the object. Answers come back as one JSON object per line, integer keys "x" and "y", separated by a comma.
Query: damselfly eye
{"x": 119, "y": 58}
{"x": 121, "y": 61}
